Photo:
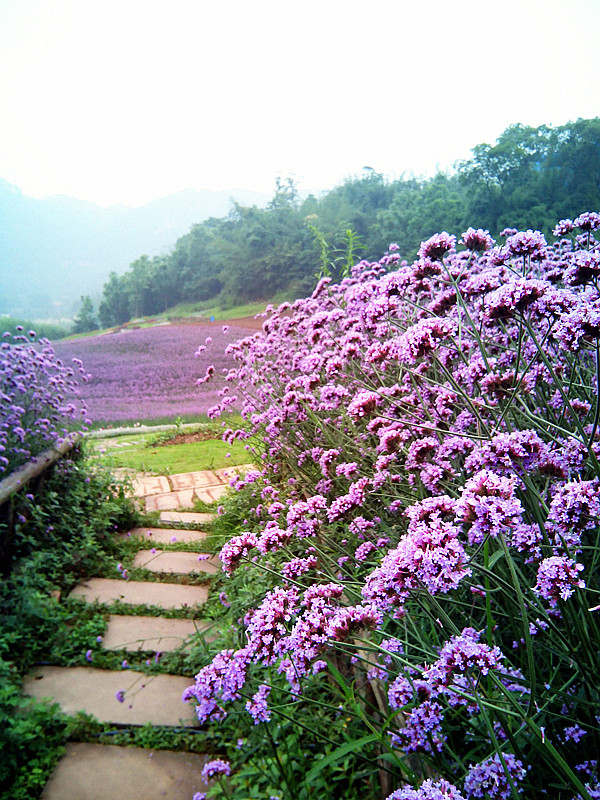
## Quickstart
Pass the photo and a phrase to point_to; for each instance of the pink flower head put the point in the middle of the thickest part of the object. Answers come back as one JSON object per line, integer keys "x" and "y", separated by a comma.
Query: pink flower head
{"x": 512, "y": 297}
{"x": 364, "y": 404}
{"x": 477, "y": 239}
{"x": 563, "y": 227}
{"x": 527, "y": 243}
{"x": 236, "y": 549}
{"x": 489, "y": 504}
{"x": 421, "y": 338}
{"x": 588, "y": 221}
{"x": 557, "y": 578}
{"x": 584, "y": 268}
{"x": 437, "y": 245}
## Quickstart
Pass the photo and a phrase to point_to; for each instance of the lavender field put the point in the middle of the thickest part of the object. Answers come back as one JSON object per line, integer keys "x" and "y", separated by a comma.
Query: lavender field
{"x": 151, "y": 373}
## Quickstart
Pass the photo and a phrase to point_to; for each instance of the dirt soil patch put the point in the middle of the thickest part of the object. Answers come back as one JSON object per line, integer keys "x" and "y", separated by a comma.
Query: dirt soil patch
{"x": 186, "y": 438}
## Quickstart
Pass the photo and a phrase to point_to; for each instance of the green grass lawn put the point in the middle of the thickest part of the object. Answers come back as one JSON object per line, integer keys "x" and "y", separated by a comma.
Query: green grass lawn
{"x": 136, "y": 453}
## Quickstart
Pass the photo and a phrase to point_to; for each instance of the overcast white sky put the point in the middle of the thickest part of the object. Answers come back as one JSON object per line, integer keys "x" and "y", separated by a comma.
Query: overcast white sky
{"x": 124, "y": 101}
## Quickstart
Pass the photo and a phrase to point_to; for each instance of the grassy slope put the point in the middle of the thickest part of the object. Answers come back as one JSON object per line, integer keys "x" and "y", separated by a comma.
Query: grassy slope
{"x": 137, "y": 452}
{"x": 198, "y": 312}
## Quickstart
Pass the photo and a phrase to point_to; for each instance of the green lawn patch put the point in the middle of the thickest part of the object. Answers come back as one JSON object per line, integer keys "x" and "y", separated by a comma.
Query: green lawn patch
{"x": 142, "y": 456}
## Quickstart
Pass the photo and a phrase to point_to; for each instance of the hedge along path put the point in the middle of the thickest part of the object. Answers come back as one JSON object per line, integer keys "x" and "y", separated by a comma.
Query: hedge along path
{"x": 96, "y": 771}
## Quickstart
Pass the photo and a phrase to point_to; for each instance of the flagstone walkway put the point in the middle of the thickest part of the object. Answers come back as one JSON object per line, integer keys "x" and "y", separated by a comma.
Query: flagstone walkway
{"x": 129, "y": 697}
{"x": 173, "y": 492}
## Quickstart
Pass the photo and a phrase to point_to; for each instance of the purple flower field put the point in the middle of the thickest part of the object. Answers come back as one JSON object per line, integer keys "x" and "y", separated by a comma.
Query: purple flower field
{"x": 148, "y": 373}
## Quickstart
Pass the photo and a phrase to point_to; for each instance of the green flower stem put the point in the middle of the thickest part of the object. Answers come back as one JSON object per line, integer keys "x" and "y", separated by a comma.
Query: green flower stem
{"x": 525, "y": 619}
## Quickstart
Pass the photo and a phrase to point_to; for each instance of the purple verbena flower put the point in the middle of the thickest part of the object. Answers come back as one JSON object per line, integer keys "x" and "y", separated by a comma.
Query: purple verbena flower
{"x": 257, "y": 707}
{"x": 428, "y": 790}
{"x": 488, "y": 778}
{"x": 557, "y": 578}
{"x": 216, "y": 768}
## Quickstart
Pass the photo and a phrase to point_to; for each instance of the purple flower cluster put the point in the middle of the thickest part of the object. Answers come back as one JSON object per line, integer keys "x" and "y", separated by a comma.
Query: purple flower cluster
{"x": 40, "y": 398}
{"x": 429, "y": 440}
{"x": 257, "y": 707}
{"x": 216, "y": 768}
{"x": 557, "y": 578}
{"x": 489, "y": 778}
{"x": 428, "y": 790}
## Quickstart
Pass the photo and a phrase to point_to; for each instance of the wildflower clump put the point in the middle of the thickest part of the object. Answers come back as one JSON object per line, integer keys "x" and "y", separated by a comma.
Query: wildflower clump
{"x": 39, "y": 398}
{"x": 425, "y": 509}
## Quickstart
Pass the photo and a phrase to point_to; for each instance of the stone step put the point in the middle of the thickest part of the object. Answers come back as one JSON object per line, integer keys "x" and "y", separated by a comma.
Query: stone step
{"x": 189, "y": 517}
{"x": 191, "y": 480}
{"x": 165, "y": 535}
{"x": 97, "y": 772}
{"x": 150, "y": 633}
{"x": 162, "y": 595}
{"x": 148, "y": 485}
{"x": 185, "y": 498}
{"x": 148, "y": 698}
{"x": 174, "y": 562}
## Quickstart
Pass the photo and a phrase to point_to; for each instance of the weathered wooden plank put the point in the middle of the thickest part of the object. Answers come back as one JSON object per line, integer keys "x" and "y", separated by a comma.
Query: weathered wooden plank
{"x": 19, "y": 479}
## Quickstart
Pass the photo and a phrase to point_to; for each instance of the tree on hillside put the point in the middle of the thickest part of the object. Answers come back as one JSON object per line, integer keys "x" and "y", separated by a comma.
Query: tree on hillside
{"x": 533, "y": 176}
{"x": 86, "y": 318}
{"x": 114, "y": 308}
{"x": 530, "y": 177}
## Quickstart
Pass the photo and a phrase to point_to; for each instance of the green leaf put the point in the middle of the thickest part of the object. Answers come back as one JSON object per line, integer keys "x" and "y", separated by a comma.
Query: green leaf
{"x": 349, "y": 747}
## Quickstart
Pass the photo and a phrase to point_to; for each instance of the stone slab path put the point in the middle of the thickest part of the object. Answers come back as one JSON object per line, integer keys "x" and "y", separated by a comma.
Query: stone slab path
{"x": 91, "y": 771}
{"x": 150, "y": 633}
{"x": 172, "y": 492}
{"x": 163, "y": 595}
{"x": 106, "y": 772}
{"x": 148, "y": 698}
{"x": 172, "y": 562}
{"x": 186, "y": 517}
{"x": 165, "y": 535}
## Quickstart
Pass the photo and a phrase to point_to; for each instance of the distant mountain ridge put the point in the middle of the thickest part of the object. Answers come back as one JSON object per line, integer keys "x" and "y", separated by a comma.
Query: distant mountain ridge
{"x": 56, "y": 249}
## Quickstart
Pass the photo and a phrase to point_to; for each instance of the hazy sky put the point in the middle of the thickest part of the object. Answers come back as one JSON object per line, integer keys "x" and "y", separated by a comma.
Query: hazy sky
{"x": 124, "y": 101}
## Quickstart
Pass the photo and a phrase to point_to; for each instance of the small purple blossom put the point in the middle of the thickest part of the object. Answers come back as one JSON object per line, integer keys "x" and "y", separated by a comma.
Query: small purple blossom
{"x": 216, "y": 768}
{"x": 527, "y": 243}
{"x": 557, "y": 579}
{"x": 437, "y": 246}
{"x": 477, "y": 239}
{"x": 257, "y": 707}
{"x": 488, "y": 779}
{"x": 428, "y": 790}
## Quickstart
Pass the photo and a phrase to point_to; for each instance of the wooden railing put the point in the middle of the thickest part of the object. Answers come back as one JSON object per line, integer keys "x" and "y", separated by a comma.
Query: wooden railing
{"x": 18, "y": 480}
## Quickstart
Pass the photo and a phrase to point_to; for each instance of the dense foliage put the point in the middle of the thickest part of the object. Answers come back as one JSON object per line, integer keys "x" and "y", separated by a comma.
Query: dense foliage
{"x": 64, "y": 531}
{"x": 529, "y": 178}
{"x": 418, "y": 553}
{"x": 51, "y": 534}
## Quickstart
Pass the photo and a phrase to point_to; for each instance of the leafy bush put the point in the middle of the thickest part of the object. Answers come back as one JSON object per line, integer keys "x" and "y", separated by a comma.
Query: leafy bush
{"x": 63, "y": 533}
{"x": 426, "y": 519}
{"x": 32, "y": 737}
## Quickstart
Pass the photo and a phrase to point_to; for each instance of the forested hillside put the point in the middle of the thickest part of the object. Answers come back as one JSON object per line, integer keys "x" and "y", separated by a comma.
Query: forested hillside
{"x": 66, "y": 247}
{"x": 530, "y": 178}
